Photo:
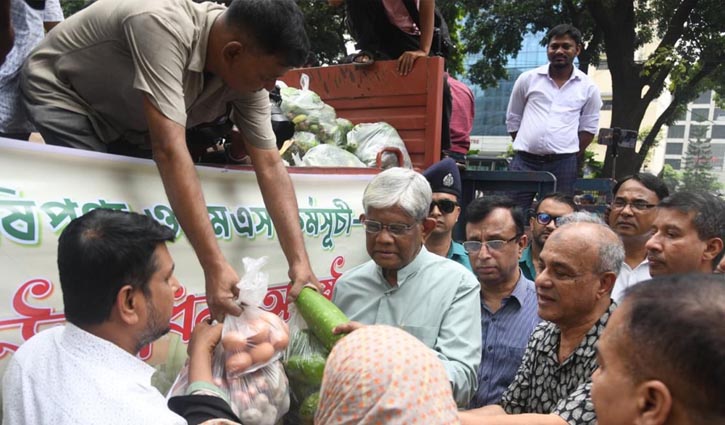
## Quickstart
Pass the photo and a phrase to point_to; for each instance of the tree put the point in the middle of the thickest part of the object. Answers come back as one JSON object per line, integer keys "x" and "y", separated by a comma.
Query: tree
{"x": 671, "y": 177}
{"x": 697, "y": 173}
{"x": 689, "y": 56}
{"x": 326, "y": 29}
{"x": 72, "y": 6}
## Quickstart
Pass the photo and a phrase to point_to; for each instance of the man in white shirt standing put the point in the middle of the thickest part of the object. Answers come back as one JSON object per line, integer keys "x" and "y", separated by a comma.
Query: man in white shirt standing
{"x": 553, "y": 113}
{"x": 631, "y": 216}
{"x": 118, "y": 284}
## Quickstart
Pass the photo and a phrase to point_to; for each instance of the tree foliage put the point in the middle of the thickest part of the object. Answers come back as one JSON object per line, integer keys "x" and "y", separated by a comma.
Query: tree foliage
{"x": 326, "y": 29}
{"x": 697, "y": 172}
{"x": 688, "y": 58}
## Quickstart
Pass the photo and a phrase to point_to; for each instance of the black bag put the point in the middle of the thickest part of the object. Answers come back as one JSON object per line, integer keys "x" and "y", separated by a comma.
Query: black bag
{"x": 442, "y": 44}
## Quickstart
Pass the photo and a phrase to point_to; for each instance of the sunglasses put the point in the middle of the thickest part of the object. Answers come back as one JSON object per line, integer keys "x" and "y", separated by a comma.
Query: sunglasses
{"x": 444, "y": 205}
{"x": 544, "y": 218}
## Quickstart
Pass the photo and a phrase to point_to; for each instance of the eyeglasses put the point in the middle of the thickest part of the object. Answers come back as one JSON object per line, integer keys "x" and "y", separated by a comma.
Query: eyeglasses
{"x": 544, "y": 218}
{"x": 395, "y": 229}
{"x": 444, "y": 205}
{"x": 494, "y": 245}
{"x": 638, "y": 205}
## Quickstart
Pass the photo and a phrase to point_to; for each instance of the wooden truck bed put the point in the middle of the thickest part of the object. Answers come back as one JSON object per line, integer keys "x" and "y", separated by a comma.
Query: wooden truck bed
{"x": 411, "y": 103}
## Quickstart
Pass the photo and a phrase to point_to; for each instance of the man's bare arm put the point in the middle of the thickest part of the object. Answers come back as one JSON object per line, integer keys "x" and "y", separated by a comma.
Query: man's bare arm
{"x": 182, "y": 186}
{"x": 585, "y": 138}
{"x": 279, "y": 198}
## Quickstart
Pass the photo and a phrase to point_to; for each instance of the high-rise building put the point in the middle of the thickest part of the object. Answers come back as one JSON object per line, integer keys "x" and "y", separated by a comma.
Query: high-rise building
{"x": 702, "y": 116}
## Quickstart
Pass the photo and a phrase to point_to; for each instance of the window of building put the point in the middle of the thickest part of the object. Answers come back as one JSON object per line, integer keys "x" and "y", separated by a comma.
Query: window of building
{"x": 698, "y": 131}
{"x": 703, "y": 98}
{"x": 719, "y": 114}
{"x": 718, "y": 131}
{"x": 700, "y": 114}
{"x": 674, "y": 148}
{"x": 718, "y": 155}
{"x": 606, "y": 104}
{"x": 676, "y": 132}
{"x": 674, "y": 163}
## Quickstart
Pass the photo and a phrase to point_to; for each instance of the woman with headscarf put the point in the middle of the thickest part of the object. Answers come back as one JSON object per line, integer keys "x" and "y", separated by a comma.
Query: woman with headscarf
{"x": 382, "y": 375}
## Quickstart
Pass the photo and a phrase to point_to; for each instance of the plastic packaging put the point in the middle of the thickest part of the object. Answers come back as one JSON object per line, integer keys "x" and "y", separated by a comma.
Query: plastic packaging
{"x": 371, "y": 138}
{"x": 330, "y": 156}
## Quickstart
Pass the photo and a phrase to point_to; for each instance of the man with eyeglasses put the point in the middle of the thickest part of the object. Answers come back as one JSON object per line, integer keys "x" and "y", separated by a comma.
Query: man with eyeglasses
{"x": 688, "y": 234}
{"x": 405, "y": 285}
{"x": 630, "y": 216}
{"x": 445, "y": 182}
{"x": 495, "y": 238}
{"x": 579, "y": 265}
{"x": 544, "y": 221}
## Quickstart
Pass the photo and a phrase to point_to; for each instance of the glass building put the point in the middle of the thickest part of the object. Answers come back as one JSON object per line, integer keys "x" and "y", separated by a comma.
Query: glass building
{"x": 491, "y": 103}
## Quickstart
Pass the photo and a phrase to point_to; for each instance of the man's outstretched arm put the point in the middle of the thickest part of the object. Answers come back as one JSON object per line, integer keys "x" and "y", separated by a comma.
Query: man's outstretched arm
{"x": 279, "y": 198}
{"x": 182, "y": 186}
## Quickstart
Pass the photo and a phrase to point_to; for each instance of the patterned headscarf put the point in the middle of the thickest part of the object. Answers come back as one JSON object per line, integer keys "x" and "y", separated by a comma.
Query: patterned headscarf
{"x": 383, "y": 375}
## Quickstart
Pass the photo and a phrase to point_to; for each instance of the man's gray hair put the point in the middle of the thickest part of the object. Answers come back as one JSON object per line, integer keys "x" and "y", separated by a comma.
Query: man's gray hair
{"x": 402, "y": 187}
{"x": 580, "y": 217}
{"x": 611, "y": 249}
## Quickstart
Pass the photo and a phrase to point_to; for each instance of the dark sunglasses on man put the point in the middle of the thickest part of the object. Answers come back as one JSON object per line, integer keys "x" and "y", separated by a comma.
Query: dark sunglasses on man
{"x": 444, "y": 205}
{"x": 544, "y": 218}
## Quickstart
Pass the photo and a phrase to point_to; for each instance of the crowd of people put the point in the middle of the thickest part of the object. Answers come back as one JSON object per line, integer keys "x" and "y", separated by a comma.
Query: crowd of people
{"x": 543, "y": 315}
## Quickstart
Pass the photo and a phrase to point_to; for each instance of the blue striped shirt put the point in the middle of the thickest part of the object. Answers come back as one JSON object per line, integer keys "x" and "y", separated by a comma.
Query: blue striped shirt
{"x": 505, "y": 335}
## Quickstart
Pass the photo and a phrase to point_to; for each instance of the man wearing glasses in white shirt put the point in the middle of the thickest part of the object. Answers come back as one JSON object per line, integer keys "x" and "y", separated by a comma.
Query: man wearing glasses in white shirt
{"x": 631, "y": 215}
{"x": 404, "y": 285}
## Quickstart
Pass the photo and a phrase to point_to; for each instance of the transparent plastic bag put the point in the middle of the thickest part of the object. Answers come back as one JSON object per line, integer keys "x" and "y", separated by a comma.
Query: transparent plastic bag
{"x": 371, "y": 138}
{"x": 309, "y": 113}
{"x": 258, "y": 398}
{"x": 256, "y": 338}
{"x": 330, "y": 156}
{"x": 246, "y": 364}
{"x": 304, "y": 363}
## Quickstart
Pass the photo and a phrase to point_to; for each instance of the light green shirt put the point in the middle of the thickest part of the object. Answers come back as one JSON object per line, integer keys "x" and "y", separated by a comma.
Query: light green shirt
{"x": 436, "y": 300}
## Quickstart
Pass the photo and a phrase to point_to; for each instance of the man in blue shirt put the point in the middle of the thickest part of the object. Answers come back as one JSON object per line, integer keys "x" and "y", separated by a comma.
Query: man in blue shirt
{"x": 445, "y": 182}
{"x": 495, "y": 239}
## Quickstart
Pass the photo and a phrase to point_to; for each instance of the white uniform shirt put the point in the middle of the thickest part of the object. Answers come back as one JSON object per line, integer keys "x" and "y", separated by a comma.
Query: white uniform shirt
{"x": 67, "y": 376}
{"x": 629, "y": 277}
{"x": 28, "y": 26}
{"x": 548, "y": 118}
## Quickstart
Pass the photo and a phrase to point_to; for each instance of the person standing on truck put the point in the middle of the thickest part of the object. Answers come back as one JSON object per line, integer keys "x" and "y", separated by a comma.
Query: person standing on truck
{"x": 130, "y": 77}
{"x": 387, "y": 29}
{"x": 553, "y": 114}
{"x": 445, "y": 182}
{"x": 463, "y": 111}
{"x": 29, "y": 25}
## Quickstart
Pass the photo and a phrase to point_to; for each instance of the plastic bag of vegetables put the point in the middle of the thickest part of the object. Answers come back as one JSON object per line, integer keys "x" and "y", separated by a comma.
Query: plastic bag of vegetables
{"x": 371, "y": 138}
{"x": 330, "y": 156}
{"x": 257, "y": 398}
{"x": 311, "y": 338}
{"x": 298, "y": 145}
{"x": 256, "y": 338}
{"x": 309, "y": 113}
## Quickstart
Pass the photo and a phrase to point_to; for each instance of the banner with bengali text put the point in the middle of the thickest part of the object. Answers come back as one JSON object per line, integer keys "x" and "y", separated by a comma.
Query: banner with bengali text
{"x": 42, "y": 188}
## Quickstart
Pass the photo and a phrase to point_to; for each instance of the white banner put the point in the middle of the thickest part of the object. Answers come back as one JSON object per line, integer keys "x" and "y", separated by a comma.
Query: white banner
{"x": 42, "y": 188}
